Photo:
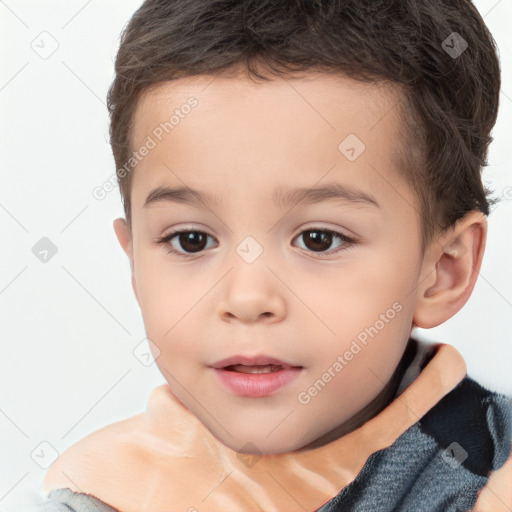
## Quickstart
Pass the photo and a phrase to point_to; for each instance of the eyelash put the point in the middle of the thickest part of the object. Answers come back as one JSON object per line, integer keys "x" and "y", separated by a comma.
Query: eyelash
{"x": 348, "y": 241}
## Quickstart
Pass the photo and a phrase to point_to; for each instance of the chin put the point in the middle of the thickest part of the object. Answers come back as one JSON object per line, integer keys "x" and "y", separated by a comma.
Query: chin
{"x": 256, "y": 443}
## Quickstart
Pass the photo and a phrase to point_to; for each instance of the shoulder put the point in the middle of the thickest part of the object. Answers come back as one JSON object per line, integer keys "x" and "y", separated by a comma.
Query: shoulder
{"x": 478, "y": 420}
{"x": 496, "y": 496}
{"x": 99, "y": 456}
{"x": 70, "y": 501}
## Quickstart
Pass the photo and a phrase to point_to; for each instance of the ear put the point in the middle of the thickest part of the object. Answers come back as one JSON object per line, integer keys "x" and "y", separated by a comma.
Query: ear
{"x": 124, "y": 235}
{"x": 449, "y": 271}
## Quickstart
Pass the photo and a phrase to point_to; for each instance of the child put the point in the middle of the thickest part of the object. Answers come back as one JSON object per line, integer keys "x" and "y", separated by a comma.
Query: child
{"x": 325, "y": 159}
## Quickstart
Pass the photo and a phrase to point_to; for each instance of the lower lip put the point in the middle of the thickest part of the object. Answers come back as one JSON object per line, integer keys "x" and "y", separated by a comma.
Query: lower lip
{"x": 256, "y": 384}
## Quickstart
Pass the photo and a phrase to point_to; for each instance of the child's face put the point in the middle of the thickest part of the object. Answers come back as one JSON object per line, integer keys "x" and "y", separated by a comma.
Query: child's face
{"x": 264, "y": 280}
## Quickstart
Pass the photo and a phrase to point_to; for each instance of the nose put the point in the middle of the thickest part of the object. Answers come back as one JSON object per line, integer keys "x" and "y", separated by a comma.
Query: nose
{"x": 252, "y": 293}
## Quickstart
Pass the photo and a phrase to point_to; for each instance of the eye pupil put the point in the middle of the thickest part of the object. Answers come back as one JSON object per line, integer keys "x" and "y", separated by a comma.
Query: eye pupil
{"x": 320, "y": 240}
{"x": 192, "y": 241}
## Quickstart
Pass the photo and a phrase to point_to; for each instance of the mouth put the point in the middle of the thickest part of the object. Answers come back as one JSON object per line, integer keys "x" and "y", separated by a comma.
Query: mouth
{"x": 255, "y": 376}
{"x": 253, "y": 364}
{"x": 266, "y": 368}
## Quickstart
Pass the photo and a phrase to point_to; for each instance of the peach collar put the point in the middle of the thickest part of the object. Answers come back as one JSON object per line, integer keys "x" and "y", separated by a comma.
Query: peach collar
{"x": 165, "y": 459}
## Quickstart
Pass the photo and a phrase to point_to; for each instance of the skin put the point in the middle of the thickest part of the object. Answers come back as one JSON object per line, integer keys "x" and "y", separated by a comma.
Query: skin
{"x": 241, "y": 141}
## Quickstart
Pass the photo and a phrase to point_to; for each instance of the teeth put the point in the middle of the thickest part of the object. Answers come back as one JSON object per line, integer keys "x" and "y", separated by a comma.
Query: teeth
{"x": 268, "y": 368}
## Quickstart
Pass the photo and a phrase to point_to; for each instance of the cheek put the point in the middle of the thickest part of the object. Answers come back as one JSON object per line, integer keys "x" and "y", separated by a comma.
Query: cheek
{"x": 355, "y": 296}
{"x": 169, "y": 302}
{"x": 368, "y": 309}
{"x": 162, "y": 295}
{"x": 172, "y": 330}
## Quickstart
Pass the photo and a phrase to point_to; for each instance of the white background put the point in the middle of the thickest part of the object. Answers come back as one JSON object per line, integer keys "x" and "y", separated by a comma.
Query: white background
{"x": 69, "y": 326}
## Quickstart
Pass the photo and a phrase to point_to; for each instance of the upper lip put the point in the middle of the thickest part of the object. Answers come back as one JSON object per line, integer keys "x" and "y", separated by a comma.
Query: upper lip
{"x": 251, "y": 361}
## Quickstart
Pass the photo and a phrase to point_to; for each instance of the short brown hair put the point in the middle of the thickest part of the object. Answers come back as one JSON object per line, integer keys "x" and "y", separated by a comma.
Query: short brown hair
{"x": 439, "y": 53}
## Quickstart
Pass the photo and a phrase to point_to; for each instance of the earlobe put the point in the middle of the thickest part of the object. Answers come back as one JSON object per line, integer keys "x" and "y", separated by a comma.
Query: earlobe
{"x": 450, "y": 270}
{"x": 124, "y": 236}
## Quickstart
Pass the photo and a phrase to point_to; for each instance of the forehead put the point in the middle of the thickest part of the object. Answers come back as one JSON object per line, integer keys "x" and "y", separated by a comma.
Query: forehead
{"x": 323, "y": 101}
{"x": 219, "y": 130}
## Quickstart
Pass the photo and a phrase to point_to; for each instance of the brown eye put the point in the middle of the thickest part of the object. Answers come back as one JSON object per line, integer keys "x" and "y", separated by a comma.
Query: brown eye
{"x": 317, "y": 240}
{"x": 192, "y": 241}
{"x": 185, "y": 243}
{"x": 321, "y": 240}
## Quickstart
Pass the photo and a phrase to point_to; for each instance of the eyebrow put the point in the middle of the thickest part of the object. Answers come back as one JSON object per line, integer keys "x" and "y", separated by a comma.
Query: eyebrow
{"x": 282, "y": 197}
